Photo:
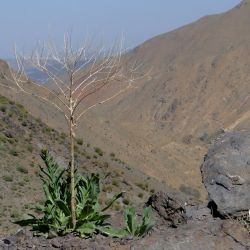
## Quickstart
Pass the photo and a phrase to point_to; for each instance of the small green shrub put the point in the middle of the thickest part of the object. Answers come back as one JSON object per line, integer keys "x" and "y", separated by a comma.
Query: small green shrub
{"x": 22, "y": 169}
{"x": 26, "y": 179}
{"x": 140, "y": 195}
{"x": 79, "y": 141}
{"x": 21, "y": 183}
{"x": 12, "y": 141}
{"x": 7, "y": 178}
{"x": 56, "y": 211}
{"x": 3, "y": 100}
{"x": 152, "y": 191}
{"x": 14, "y": 152}
{"x": 98, "y": 151}
{"x": 46, "y": 130}
{"x": 63, "y": 136}
{"x": 133, "y": 227}
{"x": 24, "y": 123}
{"x": 112, "y": 155}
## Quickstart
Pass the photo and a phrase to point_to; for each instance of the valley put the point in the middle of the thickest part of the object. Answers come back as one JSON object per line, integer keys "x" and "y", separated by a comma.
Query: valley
{"x": 194, "y": 88}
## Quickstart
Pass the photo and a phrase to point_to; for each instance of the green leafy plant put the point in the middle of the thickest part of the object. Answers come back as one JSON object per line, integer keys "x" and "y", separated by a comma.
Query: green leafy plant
{"x": 56, "y": 219}
{"x": 133, "y": 227}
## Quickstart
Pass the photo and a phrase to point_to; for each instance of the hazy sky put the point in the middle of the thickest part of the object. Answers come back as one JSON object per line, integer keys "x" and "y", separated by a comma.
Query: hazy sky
{"x": 24, "y": 22}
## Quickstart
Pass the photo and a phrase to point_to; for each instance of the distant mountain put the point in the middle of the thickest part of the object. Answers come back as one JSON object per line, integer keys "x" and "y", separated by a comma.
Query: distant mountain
{"x": 36, "y": 74}
{"x": 39, "y": 76}
{"x": 198, "y": 87}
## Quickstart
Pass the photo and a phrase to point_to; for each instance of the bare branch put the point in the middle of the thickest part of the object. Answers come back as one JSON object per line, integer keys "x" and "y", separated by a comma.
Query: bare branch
{"x": 104, "y": 101}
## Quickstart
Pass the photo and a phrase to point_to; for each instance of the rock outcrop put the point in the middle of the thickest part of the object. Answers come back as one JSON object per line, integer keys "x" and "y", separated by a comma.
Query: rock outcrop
{"x": 170, "y": 208}
{"x": 226, "y": 174}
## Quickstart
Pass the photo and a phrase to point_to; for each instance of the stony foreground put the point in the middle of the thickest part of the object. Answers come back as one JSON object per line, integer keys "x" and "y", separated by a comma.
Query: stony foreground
{"x": 220, "y": 223}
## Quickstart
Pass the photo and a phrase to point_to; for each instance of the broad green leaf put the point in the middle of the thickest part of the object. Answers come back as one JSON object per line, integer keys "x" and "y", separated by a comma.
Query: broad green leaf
{"x": 64, "y": 207}
{"x": 109, "y": 231}
{"x": 147, "y": 222}
{"x": 26, "y": 222}
{"x": 130, "y": 219}
{"x": 86, "y": 229}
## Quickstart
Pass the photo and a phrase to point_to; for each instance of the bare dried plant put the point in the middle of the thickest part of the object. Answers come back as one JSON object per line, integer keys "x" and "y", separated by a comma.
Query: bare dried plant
{"x": 73, "y": 76}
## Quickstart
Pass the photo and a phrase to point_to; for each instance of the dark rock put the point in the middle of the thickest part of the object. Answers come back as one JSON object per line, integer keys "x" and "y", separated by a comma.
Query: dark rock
{"x": 6, "y": 241}
{"x": 226, "y": 174}
{"x": 169, "y": 207}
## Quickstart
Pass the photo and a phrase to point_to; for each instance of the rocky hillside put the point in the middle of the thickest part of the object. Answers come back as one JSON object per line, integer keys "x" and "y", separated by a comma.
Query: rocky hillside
{"x": 21, "y": 139}
{"x": 197, "y": 88}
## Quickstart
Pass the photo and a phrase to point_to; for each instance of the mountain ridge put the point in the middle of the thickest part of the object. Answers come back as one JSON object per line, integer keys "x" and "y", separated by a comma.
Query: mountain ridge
{"x": 198, "y": 87}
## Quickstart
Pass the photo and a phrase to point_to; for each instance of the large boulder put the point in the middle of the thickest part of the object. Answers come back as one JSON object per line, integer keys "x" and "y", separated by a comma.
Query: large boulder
{"x": 226, "y": 174}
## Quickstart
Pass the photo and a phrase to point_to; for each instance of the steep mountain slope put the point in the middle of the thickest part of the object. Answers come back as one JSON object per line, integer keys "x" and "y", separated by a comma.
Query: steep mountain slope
{"x": 21, "y": 139}
{"x": 197, "y": 87}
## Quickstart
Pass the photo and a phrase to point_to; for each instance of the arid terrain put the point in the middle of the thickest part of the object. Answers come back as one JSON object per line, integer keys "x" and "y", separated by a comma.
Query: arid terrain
{"x": 21, "y": 139}
{"x": 196, "y": 88}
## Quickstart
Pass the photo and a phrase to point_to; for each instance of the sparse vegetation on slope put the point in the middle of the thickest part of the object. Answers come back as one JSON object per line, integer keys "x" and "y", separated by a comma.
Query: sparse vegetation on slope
{"x": 19, "y": 176}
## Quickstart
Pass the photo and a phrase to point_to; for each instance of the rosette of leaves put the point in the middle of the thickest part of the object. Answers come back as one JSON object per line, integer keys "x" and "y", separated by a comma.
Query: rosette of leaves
{"x": 133, "y": 226}
{"x": 56, "y": 219}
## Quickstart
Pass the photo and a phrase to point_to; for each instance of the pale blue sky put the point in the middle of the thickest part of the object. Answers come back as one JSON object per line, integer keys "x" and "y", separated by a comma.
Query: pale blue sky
{"x": 24, "y": 22}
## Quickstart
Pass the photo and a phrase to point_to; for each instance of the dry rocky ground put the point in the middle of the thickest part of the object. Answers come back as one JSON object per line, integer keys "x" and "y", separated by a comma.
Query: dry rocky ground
{"x": 177, "y": 227}
{"x": 197, "y": 90}
{"x": 21, "y": 139}
{"x": 182, "y": 221}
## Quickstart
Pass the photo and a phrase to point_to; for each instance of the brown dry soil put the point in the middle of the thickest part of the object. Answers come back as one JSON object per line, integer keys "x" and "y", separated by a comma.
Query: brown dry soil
{"x": 205, "y": 233}
{"x": 21, "y": 139}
